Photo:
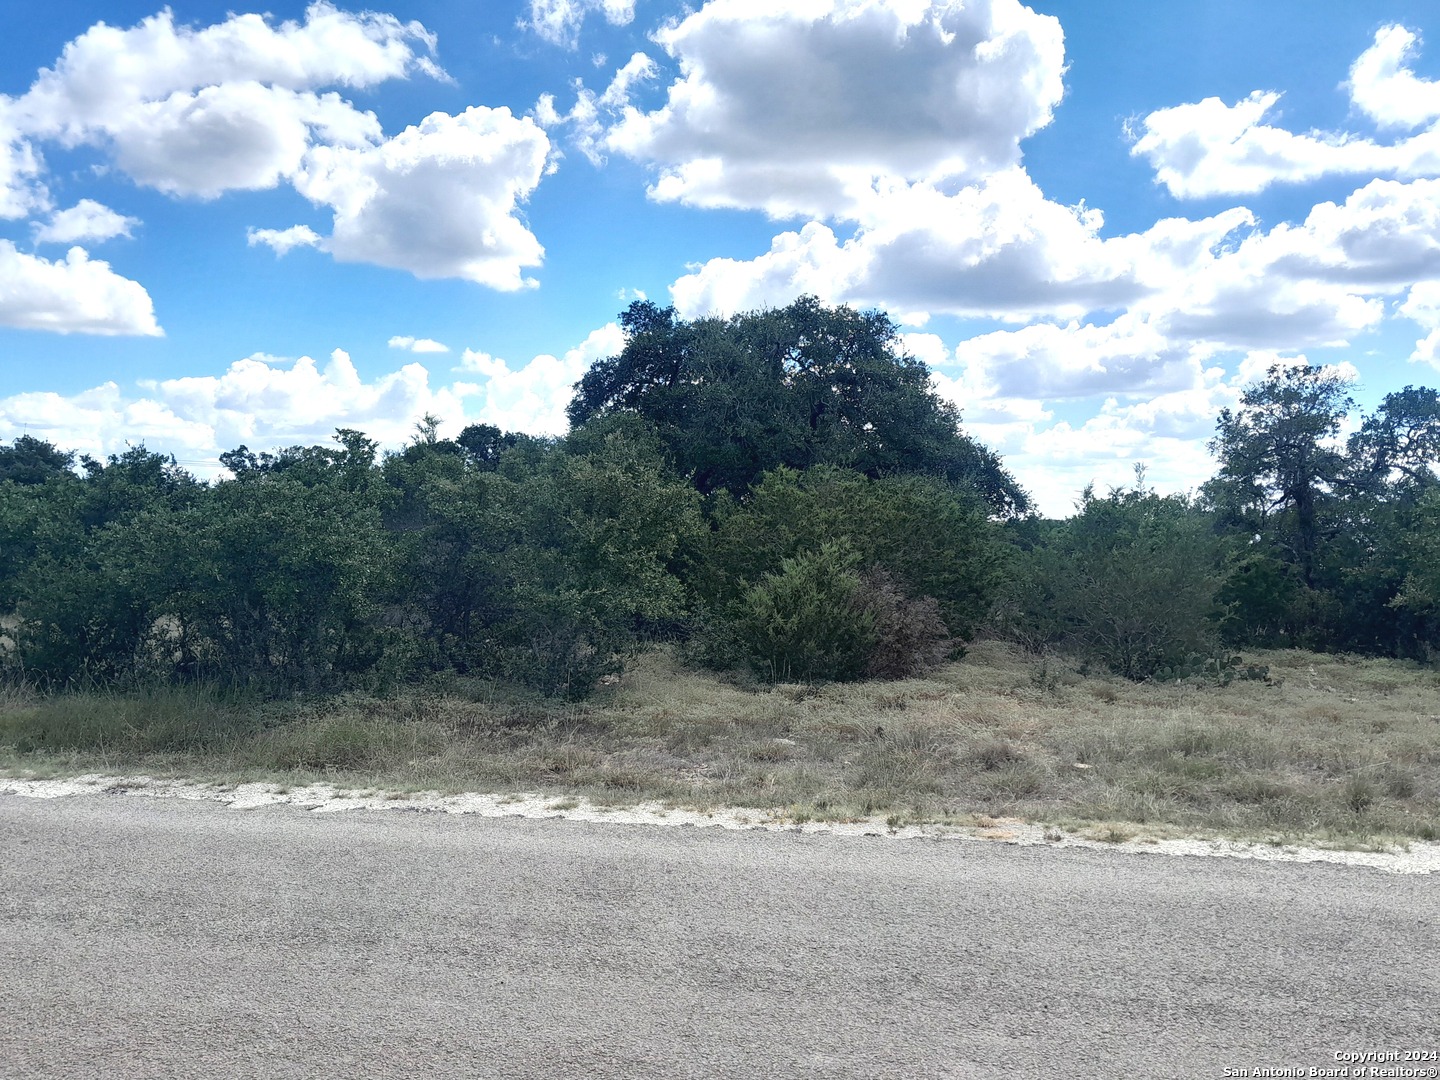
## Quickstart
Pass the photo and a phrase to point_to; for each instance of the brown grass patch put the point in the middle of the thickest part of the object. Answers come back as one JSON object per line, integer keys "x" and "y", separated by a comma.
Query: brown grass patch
{"x": 1332, "y": 747}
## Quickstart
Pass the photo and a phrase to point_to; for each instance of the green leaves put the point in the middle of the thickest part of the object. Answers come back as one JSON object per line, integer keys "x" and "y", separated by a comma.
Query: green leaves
{"x": 807, "y": 622}
{"x": 798, "y": 387}
{"x": 933, "y": 540}
{"x": 543, "y": 564}
{"x": 1130, "y": 583}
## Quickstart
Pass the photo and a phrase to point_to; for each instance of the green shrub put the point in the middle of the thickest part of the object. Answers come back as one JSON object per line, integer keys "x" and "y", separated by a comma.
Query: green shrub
{"x": 809, "y": 622}
{"x": 1130, "y": 582}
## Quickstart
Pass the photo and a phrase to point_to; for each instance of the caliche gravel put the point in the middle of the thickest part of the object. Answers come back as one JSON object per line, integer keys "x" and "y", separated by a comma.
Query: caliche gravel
{"x": 1417, "y": 857}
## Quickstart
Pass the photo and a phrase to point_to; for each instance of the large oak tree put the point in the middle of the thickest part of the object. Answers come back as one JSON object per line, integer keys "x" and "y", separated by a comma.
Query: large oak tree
{"x": 799, "y": 386}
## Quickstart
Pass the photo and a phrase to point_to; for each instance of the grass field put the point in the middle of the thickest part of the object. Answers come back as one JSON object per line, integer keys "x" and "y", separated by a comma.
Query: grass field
{"x": 1329, "y": 749}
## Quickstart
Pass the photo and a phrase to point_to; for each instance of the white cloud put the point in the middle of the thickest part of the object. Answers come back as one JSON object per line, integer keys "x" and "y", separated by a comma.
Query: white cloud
{"x": 266, "y": 402}
{"x": 264, "y": 405}
{"x": 99, "y": 421}
{"x": 235, "y": 136}
{"x": 811, "y": 261}
{"x": 592, "y": 115}
{"x": 998, "y": 249}
{"x": 107, "y": 71}
{"x": 418, "y": 345}
{"x": 1427, "y": 349}
{"x": 1165, "y": 429}
{"x": 558, "y": 21}
{"x": 1320, "y": 282}
{"x": 86, "y": 220}
{"x": 282, "y": 241}
{"x": 799, "y": 109}
{"x": 1129, "y": 356}
{"x": 228, "y": 106}
{"x": 1208, "y": 148}
{"x": 533, "y": 398}
{"x": 1166, "y": 434}
{"x": 440, "y": 199}
{"x": 263, "y": 402}
{"x": 75, "y": 294}
{"x": 1055, "y": 460}
{"x": 1423, "y": 306}
{"x": 1196, "y": 298}
{"x": 1384, "y": 86}
{"x": 22, "y": 191}
{"x": 241, "y": 105}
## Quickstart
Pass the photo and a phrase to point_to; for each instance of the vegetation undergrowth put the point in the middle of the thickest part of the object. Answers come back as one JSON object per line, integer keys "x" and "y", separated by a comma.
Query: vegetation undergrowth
{"x": 1330, "y": 748}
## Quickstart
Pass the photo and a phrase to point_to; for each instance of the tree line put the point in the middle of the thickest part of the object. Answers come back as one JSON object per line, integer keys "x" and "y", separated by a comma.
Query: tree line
{"x": 780, "y": 491}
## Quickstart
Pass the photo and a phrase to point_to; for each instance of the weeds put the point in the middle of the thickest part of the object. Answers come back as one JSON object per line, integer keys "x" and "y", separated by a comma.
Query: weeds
{"x": 1343, "y": 749}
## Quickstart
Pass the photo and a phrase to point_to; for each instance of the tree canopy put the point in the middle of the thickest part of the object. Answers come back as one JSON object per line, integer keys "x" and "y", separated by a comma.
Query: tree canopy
{"x": 795, "y": 387}
{"x": 782, "y": 490}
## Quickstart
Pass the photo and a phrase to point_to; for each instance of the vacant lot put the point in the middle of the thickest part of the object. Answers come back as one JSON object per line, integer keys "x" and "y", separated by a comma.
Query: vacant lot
{"x": 1327, "y": 748}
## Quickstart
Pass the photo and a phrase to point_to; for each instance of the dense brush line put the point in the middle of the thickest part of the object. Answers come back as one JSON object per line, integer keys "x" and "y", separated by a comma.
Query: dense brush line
{"x": 782, "y": 491}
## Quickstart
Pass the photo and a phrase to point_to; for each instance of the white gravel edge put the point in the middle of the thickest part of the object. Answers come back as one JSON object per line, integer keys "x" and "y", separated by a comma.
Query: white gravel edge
{"x": 1419, "y": 858}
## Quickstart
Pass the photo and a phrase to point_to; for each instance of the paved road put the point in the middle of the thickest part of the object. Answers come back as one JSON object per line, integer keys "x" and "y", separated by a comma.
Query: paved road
{"x": 161, "y": 938}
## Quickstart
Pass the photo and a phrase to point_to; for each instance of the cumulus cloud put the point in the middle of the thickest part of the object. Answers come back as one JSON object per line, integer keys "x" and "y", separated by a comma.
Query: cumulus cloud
{"x": 592, "y": 114}
{"x": 99, "y": 421}
{"x": 229, "y": 106}
{"x": 235, "y": 136}
{"x": 268, "y": 401}
{"x": 86, "y": 220}
{"x": 282, "y": 241}
{"x": 261, "y": 401}
{"x": 996, "y": 249}
{"x": 262, "y": 404}
{"x": 439, "y": 199}
{"x": 1196, "y": 298}
{"x": 812, "y": 261}
{"x": 1423, "y": 306}
{"x": 1387, "y": 89}
{"x": 75, "y": 294}
{"x": 1166, "y": 434}
{"x": 1320, "y": 282}
{"x": 798, "y": 109}
{"x": 107, "y": 71}
{"x": 244, "y": 105}
{"x": 418, "y": 345}
{"x": 558, "y": 21}
{"x": 532, "y": 398}
{"x": 1427, "y": 349}
{"x": 1129, "y": 356}
{"x": 1001, "y": 250}
{"x": 1209, "y": 148}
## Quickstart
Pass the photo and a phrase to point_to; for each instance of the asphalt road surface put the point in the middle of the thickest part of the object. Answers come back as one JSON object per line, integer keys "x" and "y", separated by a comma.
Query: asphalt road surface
{"x": 162, "y": 938}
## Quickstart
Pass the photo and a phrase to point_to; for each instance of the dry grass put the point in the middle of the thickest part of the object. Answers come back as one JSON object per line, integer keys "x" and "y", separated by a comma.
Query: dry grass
{"x": 1332, "y": 748}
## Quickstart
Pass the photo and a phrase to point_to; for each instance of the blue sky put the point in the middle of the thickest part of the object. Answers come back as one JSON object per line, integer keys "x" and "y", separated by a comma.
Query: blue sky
{"x": 1096, "y": 221}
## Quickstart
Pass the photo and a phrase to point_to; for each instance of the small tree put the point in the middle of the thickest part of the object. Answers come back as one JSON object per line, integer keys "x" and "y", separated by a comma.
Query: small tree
{"x": 1278, "y": 467}
{"x": 1129, "y": 582}
{"x": 808, "y": 622}
{"x": 1420, "y": 595}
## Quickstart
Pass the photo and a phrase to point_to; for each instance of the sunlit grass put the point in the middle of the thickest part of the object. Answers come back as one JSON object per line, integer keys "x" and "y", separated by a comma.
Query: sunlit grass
{"x": 1330, "y": 747}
